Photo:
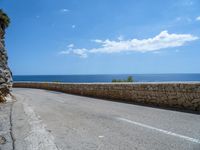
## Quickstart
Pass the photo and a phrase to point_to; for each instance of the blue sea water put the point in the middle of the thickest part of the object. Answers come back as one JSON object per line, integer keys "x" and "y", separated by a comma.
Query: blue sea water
{"x": 109, "y": 78}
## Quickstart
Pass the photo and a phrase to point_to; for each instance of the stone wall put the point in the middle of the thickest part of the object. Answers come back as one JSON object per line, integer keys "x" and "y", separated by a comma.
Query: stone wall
{"x": 177, "y": 95}
{"x": 5, "y": 73}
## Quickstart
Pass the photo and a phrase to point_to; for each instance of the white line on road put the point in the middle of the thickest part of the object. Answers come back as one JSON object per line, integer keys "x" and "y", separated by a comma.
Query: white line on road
{"x": 61, "y": 101}
{"x": 39, "y": 138}
{"x": 161, "y": 130}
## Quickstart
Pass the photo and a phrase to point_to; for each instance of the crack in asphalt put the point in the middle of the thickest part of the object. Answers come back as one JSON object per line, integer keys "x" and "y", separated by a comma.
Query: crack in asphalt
{"x": 11, "y": 126}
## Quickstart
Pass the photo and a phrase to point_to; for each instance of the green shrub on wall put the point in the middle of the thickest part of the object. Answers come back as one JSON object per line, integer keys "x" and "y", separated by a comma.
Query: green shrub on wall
{"x": 129, "y": 79}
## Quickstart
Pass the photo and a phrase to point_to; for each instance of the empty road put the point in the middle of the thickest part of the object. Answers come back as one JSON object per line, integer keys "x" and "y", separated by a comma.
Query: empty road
{"x": 47, "y": 120}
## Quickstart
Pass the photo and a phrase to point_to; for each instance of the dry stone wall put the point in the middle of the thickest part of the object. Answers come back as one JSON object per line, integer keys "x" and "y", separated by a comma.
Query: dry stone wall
{"x": 176, "y": 95}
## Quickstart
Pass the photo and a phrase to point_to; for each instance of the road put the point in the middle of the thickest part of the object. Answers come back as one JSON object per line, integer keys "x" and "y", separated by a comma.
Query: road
{"x": 48, "y": 120}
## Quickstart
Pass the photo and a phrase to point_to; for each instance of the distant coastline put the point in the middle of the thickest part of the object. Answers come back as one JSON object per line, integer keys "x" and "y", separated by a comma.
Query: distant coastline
{"x": 180, "y": 77}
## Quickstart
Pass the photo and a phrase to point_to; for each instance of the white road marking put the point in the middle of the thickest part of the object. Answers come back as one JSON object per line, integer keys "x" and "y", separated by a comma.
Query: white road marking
{"x": 161, "y": 130}
{"x": 38, "y": 138}
{"x": 101, "y": 136}
{"x": 61, "y": 101}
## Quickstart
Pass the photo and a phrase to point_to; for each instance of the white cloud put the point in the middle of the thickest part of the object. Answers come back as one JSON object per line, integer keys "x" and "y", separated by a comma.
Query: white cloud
{"x": 159, "y": 42}
{"x": 97, "y": 41}
{"x": 198, "y": 18}
{"x": 79, "y": 52}
{"x": 120, "y": 38}
{"x": 64, "y": 10}
{"x": 64, "y": 52}
{"x": 70, "y": 45}
{"x": 73, "y": 26}
{"x": 183, "y": 19}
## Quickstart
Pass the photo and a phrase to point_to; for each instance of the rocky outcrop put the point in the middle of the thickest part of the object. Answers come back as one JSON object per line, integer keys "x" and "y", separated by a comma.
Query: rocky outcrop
{"x": 5, "y": 73}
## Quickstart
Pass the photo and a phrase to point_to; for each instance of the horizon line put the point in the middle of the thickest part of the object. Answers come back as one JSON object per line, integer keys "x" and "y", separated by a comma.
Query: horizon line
{"x": 99, "y": 74}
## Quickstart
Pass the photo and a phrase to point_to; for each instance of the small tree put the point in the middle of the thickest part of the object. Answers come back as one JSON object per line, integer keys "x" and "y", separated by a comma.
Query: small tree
{"x": 114, "y": 80}
{"x": 130, "y": 79}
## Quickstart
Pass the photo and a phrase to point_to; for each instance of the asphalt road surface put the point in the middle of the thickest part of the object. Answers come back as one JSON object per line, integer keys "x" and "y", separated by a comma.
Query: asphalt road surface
{"x": 47, "y": 120}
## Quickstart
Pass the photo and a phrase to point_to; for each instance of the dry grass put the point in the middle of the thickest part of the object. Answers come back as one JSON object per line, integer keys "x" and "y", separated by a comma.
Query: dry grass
{"x": 3, "y": 93}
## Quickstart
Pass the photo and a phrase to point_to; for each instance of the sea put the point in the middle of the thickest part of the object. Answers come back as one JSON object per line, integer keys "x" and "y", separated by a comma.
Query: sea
{"x": 195, "y": 77}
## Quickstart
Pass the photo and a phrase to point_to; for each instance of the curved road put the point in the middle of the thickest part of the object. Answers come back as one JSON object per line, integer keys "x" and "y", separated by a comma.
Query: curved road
{"x": 47, "y": 120}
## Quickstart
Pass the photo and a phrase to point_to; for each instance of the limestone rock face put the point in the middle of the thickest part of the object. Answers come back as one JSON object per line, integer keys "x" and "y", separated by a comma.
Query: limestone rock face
{"x": 5, "y": 73}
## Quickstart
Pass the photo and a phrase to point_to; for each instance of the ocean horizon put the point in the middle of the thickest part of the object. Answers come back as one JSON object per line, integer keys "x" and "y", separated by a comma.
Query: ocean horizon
{"x": 180, "y": 77}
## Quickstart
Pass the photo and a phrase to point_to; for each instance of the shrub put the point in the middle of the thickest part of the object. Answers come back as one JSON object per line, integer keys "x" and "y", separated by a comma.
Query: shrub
{"x": 129, "y": 79}
{"x": 4, "y": 20}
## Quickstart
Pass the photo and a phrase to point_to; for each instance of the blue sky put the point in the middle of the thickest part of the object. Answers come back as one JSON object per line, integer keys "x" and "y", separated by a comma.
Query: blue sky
{"x": 103, "y": 36}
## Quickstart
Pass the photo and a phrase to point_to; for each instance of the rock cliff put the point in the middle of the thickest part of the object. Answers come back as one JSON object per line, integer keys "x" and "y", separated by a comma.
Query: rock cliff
{"x": 5, "y": 73}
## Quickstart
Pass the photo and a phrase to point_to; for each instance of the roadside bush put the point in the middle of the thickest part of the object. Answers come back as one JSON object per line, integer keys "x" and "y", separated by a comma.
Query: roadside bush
{"x": 129, "y": 79}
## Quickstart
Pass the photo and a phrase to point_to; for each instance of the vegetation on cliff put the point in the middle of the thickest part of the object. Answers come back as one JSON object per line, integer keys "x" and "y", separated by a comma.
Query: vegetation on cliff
{"x": 4, "y": 20}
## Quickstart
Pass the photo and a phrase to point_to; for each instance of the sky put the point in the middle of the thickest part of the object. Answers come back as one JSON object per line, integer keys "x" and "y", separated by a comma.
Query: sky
{"x": 61, "y": 37}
